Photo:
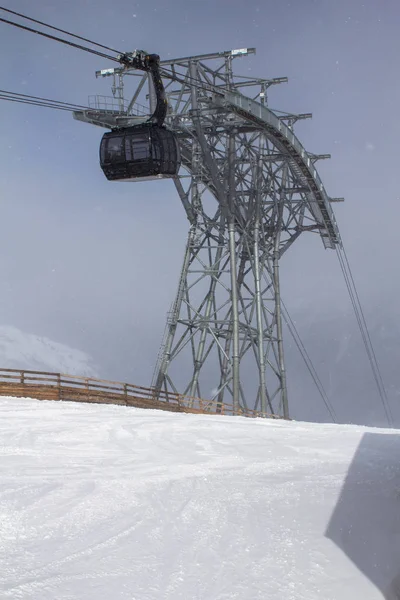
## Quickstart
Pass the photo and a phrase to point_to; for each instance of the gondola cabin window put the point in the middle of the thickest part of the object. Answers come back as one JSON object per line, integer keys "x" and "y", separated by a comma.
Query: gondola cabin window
{"x": 137, "y": 147}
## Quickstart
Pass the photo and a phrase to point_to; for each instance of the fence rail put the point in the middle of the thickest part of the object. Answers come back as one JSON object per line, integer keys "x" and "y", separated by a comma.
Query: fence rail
{"x": 59, "y": 386}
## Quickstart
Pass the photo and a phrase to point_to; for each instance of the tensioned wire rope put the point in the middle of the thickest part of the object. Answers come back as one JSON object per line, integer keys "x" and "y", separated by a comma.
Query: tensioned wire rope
{"x": 39, "y": 101}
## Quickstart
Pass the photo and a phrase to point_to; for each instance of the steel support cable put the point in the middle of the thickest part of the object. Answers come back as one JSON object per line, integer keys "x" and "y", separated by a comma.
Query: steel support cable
{"x": 79, "y": 37}
{"x": 171, "y": 74}
{"x": 365, "y": 336}
{"x": 79, "y": 46}
{"x": 187, "y": 79}
{"x": 202, "y": 85}
{"x": 356, "y": 303}
{"x": 190, "y": 81}
{"x": 309, "y": 364}
{"x": 39, "y": 98}
{"x": 367, "y": 344}
{"x": 34, "y": 103}
{"x": 307, "y": 359}
{"x": 57, "y": 39}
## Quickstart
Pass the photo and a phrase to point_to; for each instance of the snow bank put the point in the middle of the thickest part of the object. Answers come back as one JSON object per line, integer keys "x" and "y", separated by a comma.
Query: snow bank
{"x": 107, "y": 502}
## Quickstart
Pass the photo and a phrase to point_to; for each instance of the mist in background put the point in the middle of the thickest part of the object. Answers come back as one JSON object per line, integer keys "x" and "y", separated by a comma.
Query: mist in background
{"x": 94, "y": 265}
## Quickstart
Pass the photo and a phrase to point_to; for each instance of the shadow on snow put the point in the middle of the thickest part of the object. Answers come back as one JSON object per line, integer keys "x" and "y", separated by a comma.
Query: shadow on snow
{"x": 365, "y": 524}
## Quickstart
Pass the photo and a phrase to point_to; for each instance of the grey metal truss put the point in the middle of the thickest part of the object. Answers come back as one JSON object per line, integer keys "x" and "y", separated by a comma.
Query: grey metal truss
{"x": 249, "y": 190}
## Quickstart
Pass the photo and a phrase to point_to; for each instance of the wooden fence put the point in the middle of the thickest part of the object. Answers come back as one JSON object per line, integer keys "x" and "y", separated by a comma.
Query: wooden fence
{"x": 57, "y": 386}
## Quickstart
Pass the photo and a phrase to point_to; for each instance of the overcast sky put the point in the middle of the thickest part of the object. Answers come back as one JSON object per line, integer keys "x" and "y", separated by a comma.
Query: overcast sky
{"x": 93, "y": 264}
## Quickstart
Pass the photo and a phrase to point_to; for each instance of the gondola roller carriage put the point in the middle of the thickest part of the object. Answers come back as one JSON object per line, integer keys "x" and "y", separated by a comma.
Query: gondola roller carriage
{"x": 146, "y": 151}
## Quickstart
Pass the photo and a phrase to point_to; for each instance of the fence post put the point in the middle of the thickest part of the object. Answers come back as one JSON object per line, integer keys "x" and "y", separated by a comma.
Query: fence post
{"x": 126, "y": 393}
{"x": 23, "y": 377}
{"x": 59, "y": 385}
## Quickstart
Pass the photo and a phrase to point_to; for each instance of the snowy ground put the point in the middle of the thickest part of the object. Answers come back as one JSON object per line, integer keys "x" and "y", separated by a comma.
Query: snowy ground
{"x": 107, "y": 502}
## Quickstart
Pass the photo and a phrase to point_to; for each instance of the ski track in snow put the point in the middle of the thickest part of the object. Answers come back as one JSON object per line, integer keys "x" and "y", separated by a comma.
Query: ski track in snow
{"x": 107, "y": 502}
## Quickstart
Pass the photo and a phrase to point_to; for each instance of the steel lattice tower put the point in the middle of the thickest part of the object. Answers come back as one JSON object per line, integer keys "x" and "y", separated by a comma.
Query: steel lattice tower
{"x": 249, "y": 189}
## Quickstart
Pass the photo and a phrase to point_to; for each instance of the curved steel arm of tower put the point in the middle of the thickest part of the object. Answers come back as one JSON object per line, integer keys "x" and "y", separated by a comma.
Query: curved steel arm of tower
{"x": 300, "y": 161}
{"x": 279, "y": 133}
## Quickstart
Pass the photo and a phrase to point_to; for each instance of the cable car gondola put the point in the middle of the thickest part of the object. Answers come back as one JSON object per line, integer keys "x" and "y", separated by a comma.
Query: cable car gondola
{"x": 146, "y": 151}
{"x": 141, "y": 152}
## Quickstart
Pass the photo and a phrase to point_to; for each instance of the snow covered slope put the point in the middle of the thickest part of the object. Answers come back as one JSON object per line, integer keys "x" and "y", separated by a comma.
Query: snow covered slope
{"x": 107, "y": 502}
{"x": 19, "y": 350}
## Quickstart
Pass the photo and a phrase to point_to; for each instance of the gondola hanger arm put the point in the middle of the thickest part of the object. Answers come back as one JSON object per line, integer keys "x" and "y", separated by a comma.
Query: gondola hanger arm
{"x": 139, "y": 59}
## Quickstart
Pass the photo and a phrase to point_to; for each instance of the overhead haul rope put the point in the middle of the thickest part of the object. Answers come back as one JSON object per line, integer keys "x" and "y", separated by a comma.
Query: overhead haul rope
{"x": 308, "y": 362}
{"x": 362, "y": 324}
{"x": 29, "y": 99}
{"x": 57, "y": 39}
{"x": 42, "y": 104}
{"x": 79, "y": 37}
{"x": 138, "y": 59}
{"x": 151, "y": 66}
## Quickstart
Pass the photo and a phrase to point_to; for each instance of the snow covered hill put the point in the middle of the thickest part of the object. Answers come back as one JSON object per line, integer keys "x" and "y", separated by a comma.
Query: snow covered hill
{"x": 107, "y": 502}
{"x": 19, "y": 350}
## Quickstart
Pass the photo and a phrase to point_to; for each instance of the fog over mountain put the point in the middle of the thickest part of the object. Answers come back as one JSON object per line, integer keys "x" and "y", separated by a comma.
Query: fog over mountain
{"x": 19, "y": 350}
